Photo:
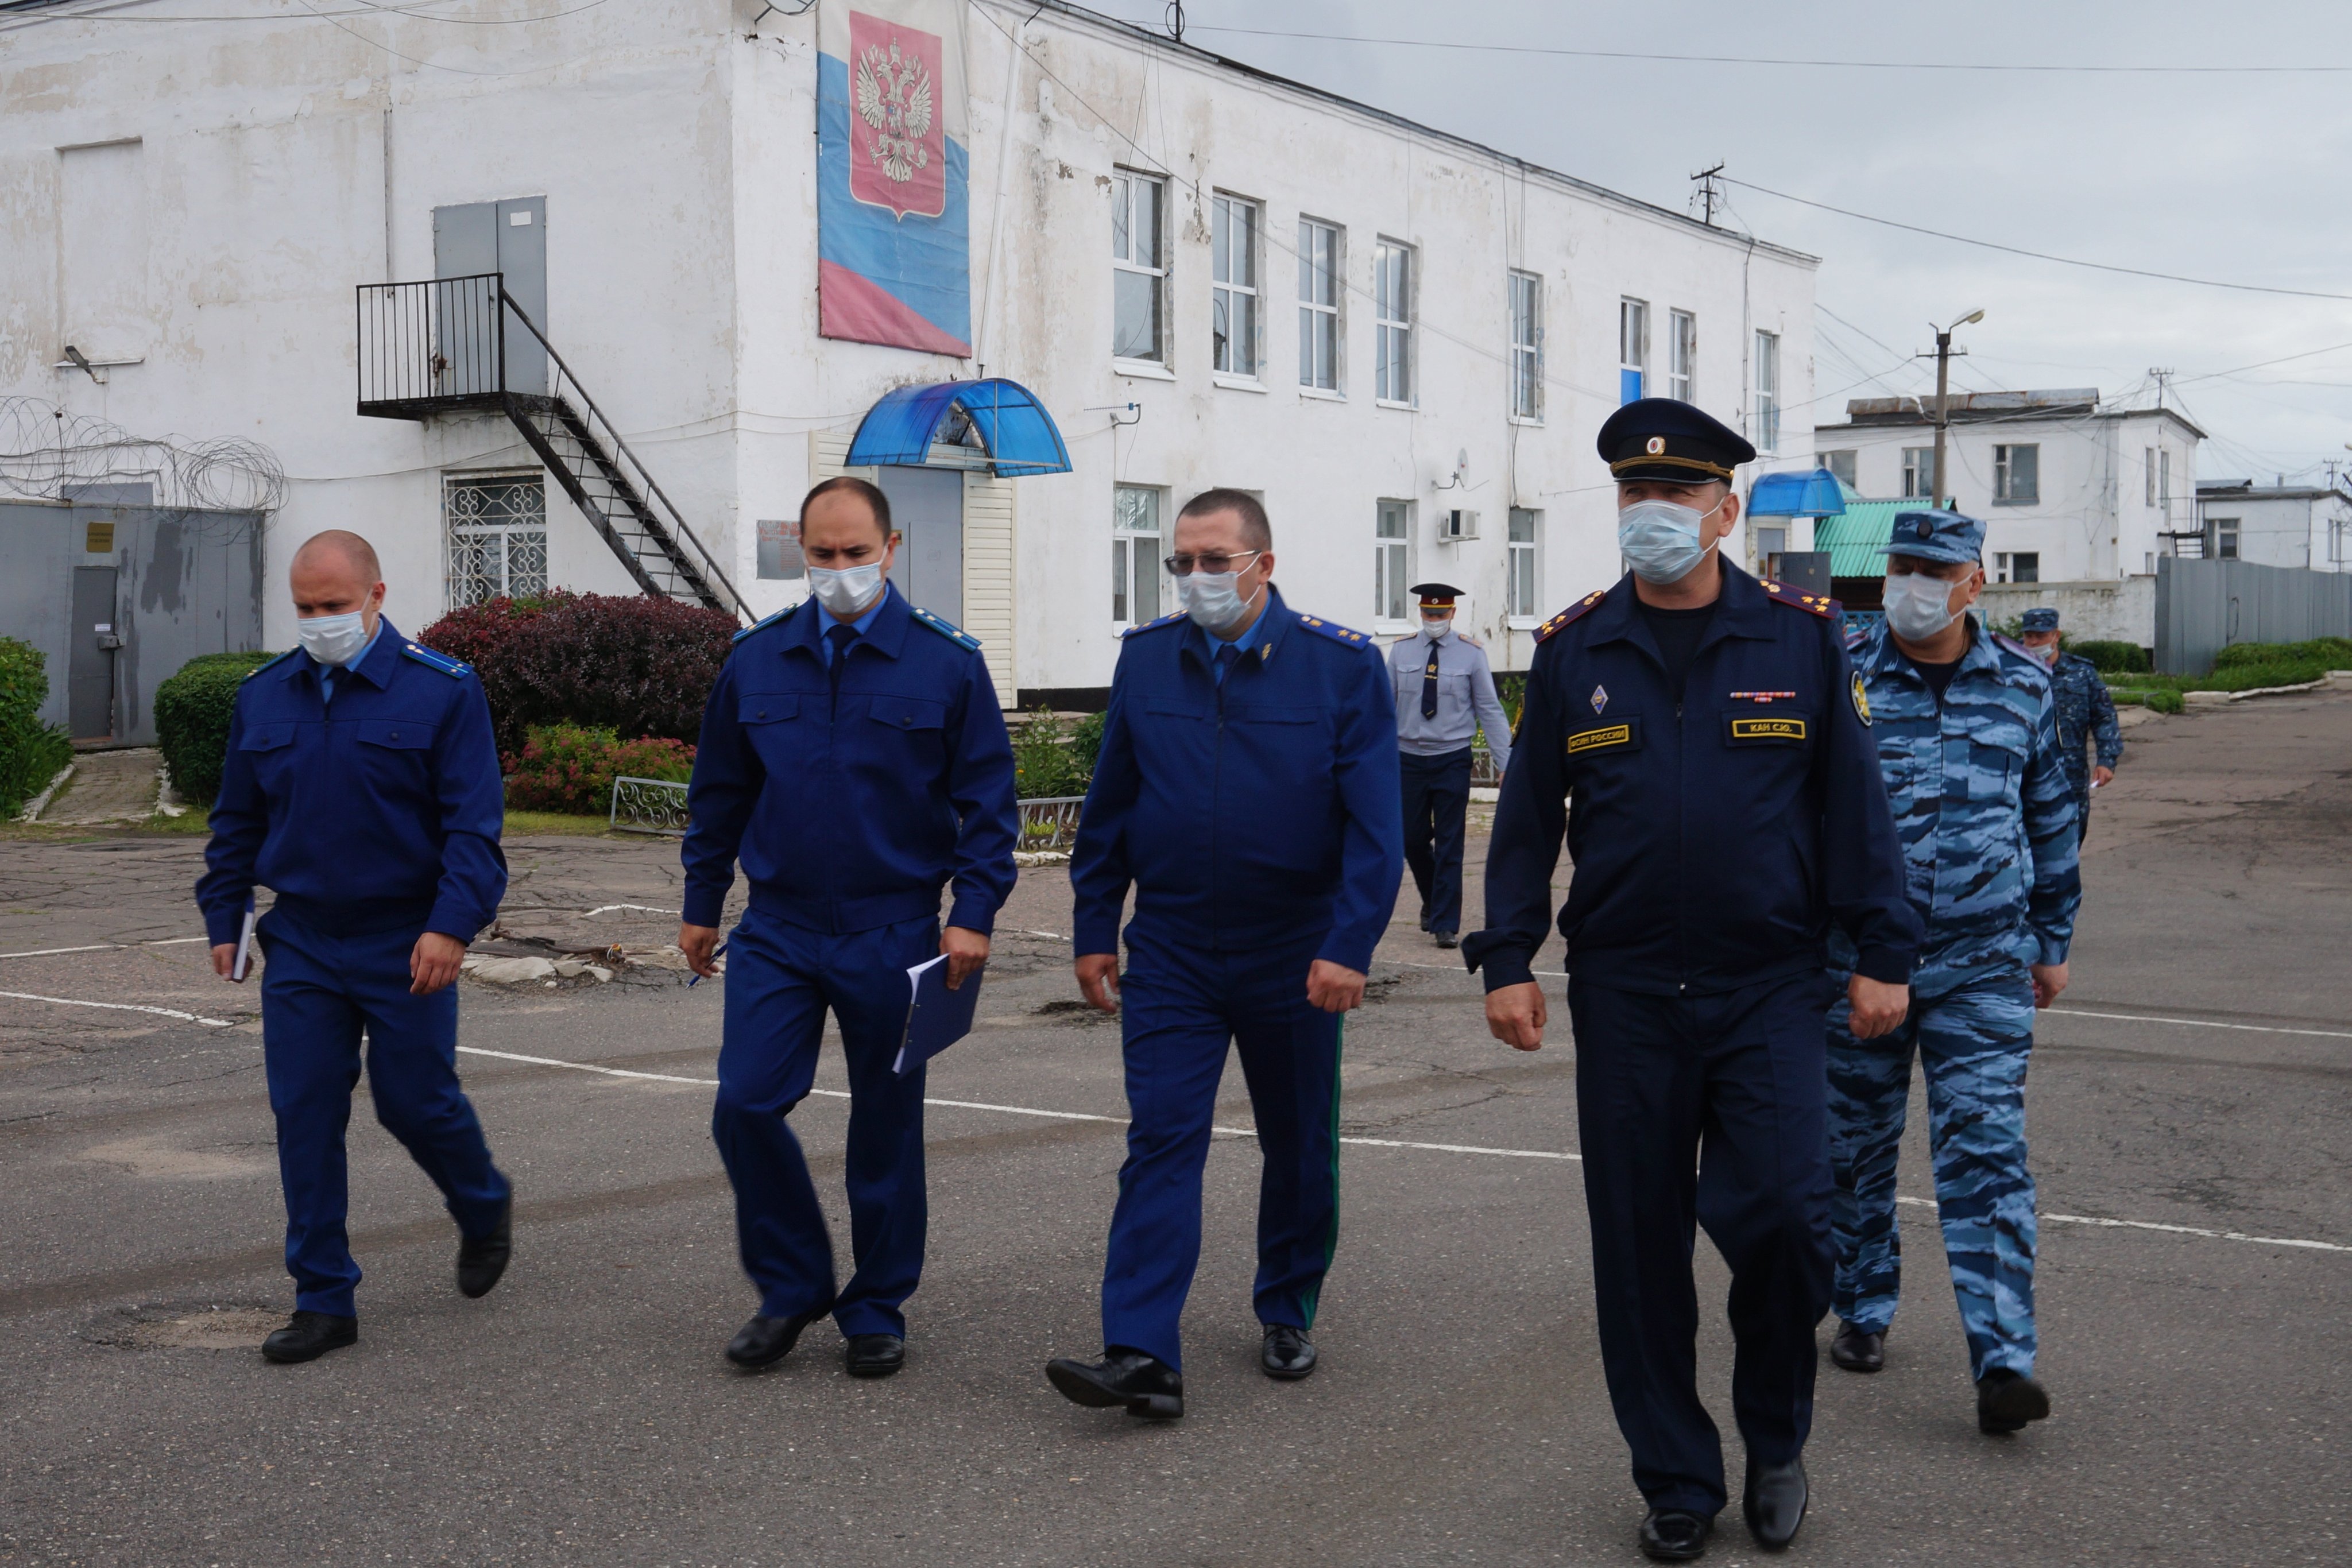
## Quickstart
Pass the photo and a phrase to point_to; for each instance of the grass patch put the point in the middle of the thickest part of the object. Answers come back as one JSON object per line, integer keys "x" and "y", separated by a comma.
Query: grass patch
{"x": 561, "y": 822}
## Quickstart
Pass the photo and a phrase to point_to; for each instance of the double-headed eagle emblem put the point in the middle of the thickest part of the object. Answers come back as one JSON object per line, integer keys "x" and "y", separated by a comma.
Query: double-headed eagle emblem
{"x": 894, "y": 100}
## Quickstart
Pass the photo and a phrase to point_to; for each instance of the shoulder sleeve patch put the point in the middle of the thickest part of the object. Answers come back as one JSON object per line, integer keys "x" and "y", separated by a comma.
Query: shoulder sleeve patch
{"x": 271, "y": 665}
{"x": 779, "y": 617}
{"x": 456, "y": 669}
{"x": 948, "y": 629}
{"x": 1153, "y": 625}
{"x": 1819, "y": 604}
{"x": 1569, "y": 616}
{"x": 1337, "y": 634}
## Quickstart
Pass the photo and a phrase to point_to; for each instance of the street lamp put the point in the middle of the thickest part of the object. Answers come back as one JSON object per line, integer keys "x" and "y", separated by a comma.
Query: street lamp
{"x": 1943, "y": 384}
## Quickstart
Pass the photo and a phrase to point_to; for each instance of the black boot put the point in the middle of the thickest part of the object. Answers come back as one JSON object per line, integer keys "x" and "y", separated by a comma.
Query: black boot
{"x": 1858, "y": 1351}
{"x": 482, "y": 1259}
{"x": 1675, "y": 1534}
{"x": 307, "y": 1336}
{"x": 763, "y": 1341}
{"x": 1773, "y": 1502}
{"x": 2007, "y": 1400}
{"x": 1145, "y": 1385}
{"x": 876, "y": 1354}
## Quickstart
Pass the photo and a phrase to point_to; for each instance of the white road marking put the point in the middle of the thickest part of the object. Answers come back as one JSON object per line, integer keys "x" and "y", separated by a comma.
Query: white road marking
{"x": 122, "y": 1007}
{"x": 2172, "y": 1229}
{"x": 647, "y": 908}
{"x": 102, "y": 947}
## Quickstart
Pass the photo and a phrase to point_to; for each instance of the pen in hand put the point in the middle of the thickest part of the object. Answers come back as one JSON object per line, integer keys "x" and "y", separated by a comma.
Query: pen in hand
{"x": 715, "y": 954}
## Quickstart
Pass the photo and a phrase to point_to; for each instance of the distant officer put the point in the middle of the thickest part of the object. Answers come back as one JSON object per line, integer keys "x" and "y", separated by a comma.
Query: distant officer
{"x": 1247, "y": 792}
{"x": 1967, "y": 737}
{"x": 1727, "y": 813}
{"x": 362, "y": 785}
{"x": 1444, "y": 695}
{"x": 855, "y": 756}
{"x": 2085, "y": 713}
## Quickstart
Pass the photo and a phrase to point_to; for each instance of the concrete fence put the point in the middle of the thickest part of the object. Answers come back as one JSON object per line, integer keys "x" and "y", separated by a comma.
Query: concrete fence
{"x": 2203, "y": 606}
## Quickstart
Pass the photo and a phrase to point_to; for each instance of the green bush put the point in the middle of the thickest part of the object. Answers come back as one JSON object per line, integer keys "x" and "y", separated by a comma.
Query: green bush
{"x": 2166, "y": 701}
{"x": 1046, "y": 765}
{"x": 1086, "y": 741}
{"x": 31, "y": 752}
{"x": 2327, "y": 653}
{"x": 192, "y": 714}
{"x": 2110, "y": 658}
{"x": 571, "y": 768}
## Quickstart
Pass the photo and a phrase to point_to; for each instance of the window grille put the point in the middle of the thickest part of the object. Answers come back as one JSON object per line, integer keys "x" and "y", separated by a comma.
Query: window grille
{"x": 497, "y": 535}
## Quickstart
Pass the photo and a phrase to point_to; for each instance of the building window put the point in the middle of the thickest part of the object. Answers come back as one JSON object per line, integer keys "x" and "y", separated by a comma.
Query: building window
{"x": 2025, "y": 566}
{"x": 2225, "y": 538}
{"x": 1139, "y": 258}
{"x": 1682, "y": 355}
{"x": 1768, "y": 392}
{"x": 1918, "y": 473}
{"x": 1392, "y": 283}
{"x": 1527, "y": 346}
{"x": 1841, "y": 464}
{"x": 497, "y": 535}
{"x": 1135, "y": 551}
{"x": 2151, "y": 476}
{"x": 1319, "y": 305}
{"x": 780, "y": 557}
{"x": 1632, "y": 348}
{"x": 1525, "y": 572}
{"x": 1771, "y": 543}
{"x": 2164, "y": 480}
{"x": 1391, "y": 560}
{"x": 1233, "y": 292}
{"x": 2016, "y": 475}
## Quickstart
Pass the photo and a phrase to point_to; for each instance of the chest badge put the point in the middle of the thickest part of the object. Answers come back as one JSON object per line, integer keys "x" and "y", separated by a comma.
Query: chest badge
{"x": 1861, "y": 699}
{"x": 1763, "y": 696}
{"x": 1600, "y": 698}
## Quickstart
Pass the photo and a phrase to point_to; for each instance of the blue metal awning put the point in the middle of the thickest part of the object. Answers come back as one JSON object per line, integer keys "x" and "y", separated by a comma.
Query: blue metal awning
{"x": 1001, "y": 418}
{"x": 1815, "y": 494}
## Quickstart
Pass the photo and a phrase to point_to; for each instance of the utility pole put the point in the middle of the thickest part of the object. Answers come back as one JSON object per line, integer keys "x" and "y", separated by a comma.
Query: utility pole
{"x": 1708, "y": 194}
{"x": 1943, "y": 399}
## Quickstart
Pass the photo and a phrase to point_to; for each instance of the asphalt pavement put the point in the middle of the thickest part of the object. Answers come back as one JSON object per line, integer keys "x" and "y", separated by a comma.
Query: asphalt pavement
{"x": 2194, "y": 1085}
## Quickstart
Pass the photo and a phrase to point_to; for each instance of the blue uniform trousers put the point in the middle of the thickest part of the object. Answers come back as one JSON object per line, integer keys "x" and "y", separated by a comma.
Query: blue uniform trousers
{"x": 1973, "y": 1042}
{"x": 781, "y": 979}
{"x": 317, "y": 992}
{"x": 1436, "y": 800}
{"x": 1181, "y": 1008}
{"x": 1706, "y": 1111}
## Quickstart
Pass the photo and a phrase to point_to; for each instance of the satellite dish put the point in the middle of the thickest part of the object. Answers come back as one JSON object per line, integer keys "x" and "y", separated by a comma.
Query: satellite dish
{"x": 1462, "y": 461}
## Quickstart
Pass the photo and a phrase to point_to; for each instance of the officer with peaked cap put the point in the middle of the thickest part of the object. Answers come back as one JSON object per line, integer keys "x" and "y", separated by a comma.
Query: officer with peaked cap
{"x": 1700, "y": 739}
{"x": 1444, "y": 695}
{"x": 2086, "y": 713}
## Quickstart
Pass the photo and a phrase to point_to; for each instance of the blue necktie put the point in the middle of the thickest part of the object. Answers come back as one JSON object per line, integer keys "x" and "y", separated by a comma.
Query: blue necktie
{"x": 841, "y": 636}
{"x": 1228, "y": 656}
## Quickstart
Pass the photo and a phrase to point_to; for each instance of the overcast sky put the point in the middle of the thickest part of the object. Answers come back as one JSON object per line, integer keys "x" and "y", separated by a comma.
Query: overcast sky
{"x": 2233, "y": 177}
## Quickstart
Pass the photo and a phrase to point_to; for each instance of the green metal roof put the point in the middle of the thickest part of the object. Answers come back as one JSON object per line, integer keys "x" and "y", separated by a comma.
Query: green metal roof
{"x": 1855, "y": 537}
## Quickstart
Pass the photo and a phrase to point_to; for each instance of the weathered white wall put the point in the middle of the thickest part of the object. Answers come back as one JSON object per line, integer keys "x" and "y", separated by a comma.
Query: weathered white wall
{"x": 2120, "y": 611}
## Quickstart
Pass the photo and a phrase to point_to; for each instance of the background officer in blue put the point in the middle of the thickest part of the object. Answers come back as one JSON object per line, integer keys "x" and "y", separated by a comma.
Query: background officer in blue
{"x": 1967, "y": 737}
{"x": 1726, "y": 811}
{"x": 1444, "y": 695}
{"x": 855, "y": 756}
{"x": 1247, "y": 792}
{"x": 2086, "y": 713}
{"x": 362, "y": 785}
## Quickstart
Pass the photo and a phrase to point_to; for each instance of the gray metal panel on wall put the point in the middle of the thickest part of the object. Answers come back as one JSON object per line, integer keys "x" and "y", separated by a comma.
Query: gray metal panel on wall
{"x": 39, "y": 547}
{"x": 2204, "y": 606}
{"x": 522, "y": 256}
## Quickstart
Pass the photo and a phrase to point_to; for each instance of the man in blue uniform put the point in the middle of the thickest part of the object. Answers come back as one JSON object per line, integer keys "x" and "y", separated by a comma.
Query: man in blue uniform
{"x": 1967, "y": 737}
{"x": 2086, "y": 714}
{"x": 855, "y": 756}
{"x": 1247, "y": 791}
{"x": 1444, "y": 695}
{"x": 1726, "y": 812}
{"x": 362, "y": 785}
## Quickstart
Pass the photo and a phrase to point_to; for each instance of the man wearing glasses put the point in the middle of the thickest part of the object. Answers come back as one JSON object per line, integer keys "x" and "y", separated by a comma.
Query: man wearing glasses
{"x": 1247, "y": 791}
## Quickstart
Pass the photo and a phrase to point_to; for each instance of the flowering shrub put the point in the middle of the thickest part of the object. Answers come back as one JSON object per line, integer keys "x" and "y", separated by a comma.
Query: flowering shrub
{"x": 571, "y": 768}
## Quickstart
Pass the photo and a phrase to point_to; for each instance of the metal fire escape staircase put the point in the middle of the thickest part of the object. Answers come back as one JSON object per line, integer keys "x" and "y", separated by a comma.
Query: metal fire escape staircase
{"x": 443, "y": 347}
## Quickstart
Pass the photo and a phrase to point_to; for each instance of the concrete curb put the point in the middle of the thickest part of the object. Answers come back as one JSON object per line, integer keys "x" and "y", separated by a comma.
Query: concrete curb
{"x": 2216, "y": 699}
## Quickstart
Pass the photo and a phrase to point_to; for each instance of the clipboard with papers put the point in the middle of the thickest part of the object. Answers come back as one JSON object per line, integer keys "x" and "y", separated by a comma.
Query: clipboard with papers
{"x": 936, "y": 1017}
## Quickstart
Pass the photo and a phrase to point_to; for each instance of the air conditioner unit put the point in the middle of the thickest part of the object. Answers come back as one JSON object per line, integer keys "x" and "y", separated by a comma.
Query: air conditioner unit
{"x": 1459, "y": 523}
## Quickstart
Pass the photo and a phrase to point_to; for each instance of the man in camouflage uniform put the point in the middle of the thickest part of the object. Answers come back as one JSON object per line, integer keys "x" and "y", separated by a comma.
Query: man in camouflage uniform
{"x": 2085, "y": 713}
{"x": 1968, "y": 741}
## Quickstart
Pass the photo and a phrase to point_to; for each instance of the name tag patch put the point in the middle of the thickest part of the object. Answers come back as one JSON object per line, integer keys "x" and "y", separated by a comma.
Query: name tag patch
{"x": 1601, "y": 739}
{"x": 1786, "y": 728}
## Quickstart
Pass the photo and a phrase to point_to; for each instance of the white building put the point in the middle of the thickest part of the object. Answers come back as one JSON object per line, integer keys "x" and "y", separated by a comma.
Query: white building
{"x": 2069, "y": 491}
{"x": 2274, "y": 525}
{"x": 1374, "y": 325}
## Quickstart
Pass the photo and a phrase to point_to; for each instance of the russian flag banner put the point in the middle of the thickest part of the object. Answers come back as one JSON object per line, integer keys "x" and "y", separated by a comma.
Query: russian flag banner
{"x": 894, "y": 248}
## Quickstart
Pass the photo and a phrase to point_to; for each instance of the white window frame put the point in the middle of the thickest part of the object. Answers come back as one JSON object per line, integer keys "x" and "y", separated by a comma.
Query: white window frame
{"x": 1523, "y": 568}
{"x": 1851, "y": 478}
{"x": 1765, "y": 433}
{"x": 2151, "y": 477}
{"x": 1125, "y": 182}
{"x": 1633, "y": 348}
{"x": 511, "y": 530}
{"x": 1394, "y": 385}
{"x": 1918, "y": 473}
{"x": 1320, "y": 319}
{"x": 1392, "y": 562}
{"x": 1132, "y": 561}
{"x": 1230, "y": 297}
{"x": 1525, "y": 291}
{"x": 2232, "y": 532}
{"x": 2004, "y": 474}
{"x": 1682, "y": 355}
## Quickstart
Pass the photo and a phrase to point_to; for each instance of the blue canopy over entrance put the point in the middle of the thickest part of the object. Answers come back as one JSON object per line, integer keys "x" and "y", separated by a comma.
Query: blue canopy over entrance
{"x": 1001, "y": 418}
{"x": 1815, "y": 494}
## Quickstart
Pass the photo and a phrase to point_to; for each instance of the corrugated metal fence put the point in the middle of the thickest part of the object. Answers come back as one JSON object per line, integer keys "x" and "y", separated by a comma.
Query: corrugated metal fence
{"x": 2203, "y": 606}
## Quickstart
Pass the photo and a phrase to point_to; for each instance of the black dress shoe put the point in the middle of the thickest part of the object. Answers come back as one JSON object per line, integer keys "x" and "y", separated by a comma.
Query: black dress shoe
{"x": 1287, "y": 1355}
{"x": 1857, "y": 1351}
{"x": 1773, "y": 1502}
{"x": 307, "y": 1336}
{"x": 763, "y": 1341}
{"x": 1449, "y": 939}
{"x": 876, "y": 1354}
{"x": 2007, "y": 1400}
{"x": 1145, "y": 1385}
{"x": 482, "y": 1259}
{"x": 1675, "y": 1535}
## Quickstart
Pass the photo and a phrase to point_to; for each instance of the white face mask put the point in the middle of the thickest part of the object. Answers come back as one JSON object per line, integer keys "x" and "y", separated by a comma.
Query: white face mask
{"x": 1436, "y": 626}
{"x": 849, "y": 593}
{"x": 334, "y": 639}
{"x": 2048, "y": 653}
{"x": 1660, "y": 539}
{"x": 1917, "y": 607}
{"x": 1213, "y": 601}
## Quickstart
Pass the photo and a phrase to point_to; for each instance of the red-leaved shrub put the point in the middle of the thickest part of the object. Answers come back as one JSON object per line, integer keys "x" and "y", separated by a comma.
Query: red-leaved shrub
{"x": 631, "y": 664}
{"x": 567, "y": 767}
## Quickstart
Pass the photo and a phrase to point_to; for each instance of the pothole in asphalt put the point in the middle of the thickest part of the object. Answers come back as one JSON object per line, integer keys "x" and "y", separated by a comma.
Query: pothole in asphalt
{"x": 186, "y": 1325}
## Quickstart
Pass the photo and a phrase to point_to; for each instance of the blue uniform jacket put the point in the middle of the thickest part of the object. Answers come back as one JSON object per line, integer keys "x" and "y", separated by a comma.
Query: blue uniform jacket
{"x": 1715, "y": 840}
{"x": 2085, "y": 714}
{"x": 1259, "y": 812}
{"x": 378, "y": 810}
{"x": 1982, "y": 806}
{"x": 852, "y": 818}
